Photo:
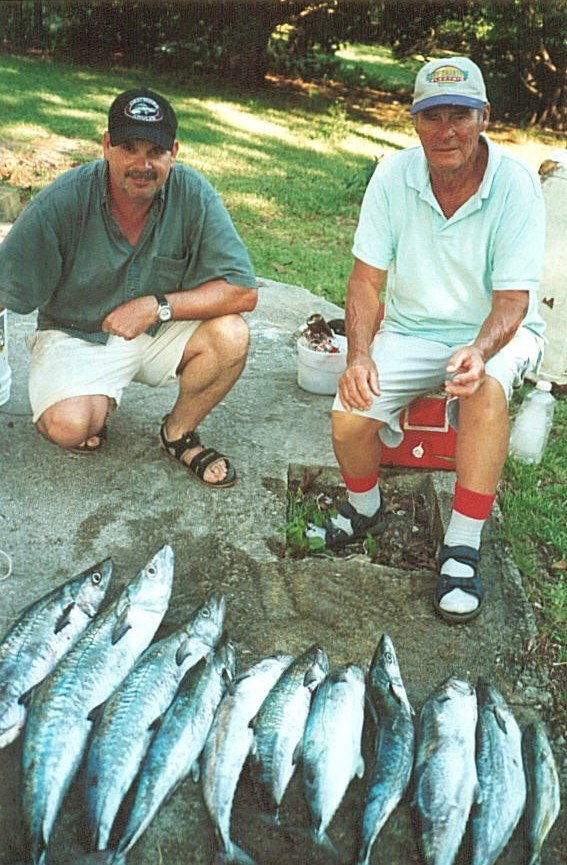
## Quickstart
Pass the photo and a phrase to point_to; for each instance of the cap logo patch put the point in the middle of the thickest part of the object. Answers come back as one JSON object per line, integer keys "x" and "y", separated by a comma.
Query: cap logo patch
{"x": 447, "y": 75}
{"x": 145, "y": 109}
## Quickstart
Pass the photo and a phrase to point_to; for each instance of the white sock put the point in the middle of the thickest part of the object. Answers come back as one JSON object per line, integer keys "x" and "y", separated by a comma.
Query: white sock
{"x": 364, "y": 503}
{"x": 461, "y": 531}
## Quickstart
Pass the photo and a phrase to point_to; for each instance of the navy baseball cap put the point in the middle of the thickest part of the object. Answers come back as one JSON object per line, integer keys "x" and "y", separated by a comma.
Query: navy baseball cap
{"x": 142, "y": 113}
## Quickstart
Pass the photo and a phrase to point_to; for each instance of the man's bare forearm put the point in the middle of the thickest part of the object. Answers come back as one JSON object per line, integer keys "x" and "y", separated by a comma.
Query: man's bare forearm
{"x": 211, "y": 300}
{"x": 508, "y": 311}
{"x": 362, "y": 308}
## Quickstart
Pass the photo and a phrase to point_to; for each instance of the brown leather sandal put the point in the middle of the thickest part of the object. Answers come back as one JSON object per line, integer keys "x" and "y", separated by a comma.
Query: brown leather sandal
{"x": 102, "y": 436}
{"x": 177, "y": 448}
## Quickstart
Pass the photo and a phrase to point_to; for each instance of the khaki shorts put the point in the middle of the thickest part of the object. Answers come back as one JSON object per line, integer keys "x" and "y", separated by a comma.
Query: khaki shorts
{"x": 409, "y": 367}
{"x": 64, "y": 366}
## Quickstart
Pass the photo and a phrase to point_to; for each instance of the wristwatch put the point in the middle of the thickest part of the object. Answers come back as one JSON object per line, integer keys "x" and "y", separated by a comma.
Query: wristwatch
{"x": 164, "y": 311}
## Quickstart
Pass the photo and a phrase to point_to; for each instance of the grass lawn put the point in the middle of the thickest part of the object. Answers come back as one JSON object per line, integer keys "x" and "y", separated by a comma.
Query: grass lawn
{"x": 291, "y": 162}
{"x": 374, "y": 66}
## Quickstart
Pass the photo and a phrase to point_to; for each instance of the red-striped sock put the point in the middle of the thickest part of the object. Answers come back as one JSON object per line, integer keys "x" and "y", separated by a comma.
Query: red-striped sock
{"x": 470, "y": 512}
{"x": 472, "y": 504}
{"x": 363, "y": 493}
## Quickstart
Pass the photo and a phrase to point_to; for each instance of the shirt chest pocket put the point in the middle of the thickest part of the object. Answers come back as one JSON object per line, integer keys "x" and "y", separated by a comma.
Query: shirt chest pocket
{"x": 167, "y": 274}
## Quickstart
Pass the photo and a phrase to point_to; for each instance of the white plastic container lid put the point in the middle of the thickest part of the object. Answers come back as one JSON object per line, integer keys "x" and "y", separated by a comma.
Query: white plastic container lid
{"x": 543, "y": 384}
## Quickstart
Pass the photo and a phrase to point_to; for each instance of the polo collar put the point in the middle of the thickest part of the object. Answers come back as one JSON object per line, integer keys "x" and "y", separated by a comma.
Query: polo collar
{"x": 418, "y": 178}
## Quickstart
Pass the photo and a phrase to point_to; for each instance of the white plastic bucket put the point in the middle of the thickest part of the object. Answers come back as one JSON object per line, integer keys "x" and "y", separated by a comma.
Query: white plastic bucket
{"x": 5, "y": 371}
{"x": 319, "y": 371}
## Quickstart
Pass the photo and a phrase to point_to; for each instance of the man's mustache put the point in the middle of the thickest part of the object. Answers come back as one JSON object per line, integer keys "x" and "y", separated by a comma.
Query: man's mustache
{"x": 142, "y": 175}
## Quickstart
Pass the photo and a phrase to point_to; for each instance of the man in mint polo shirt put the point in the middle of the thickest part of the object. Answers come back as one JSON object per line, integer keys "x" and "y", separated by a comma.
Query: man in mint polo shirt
{"x": 454, "y": 228}
{"x": 138, "y": 275}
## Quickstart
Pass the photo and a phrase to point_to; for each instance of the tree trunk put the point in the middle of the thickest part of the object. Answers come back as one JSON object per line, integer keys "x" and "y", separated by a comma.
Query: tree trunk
{"x": 247, "y": 30}
{"x": 38, "y": 28}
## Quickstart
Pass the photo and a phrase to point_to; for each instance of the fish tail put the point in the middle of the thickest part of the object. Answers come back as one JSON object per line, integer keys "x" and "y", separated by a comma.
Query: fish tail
{"x": 39, "y": 851}
{"x": 233, "y": 855}
{"x": 364, "y": 854}
{"x": 322, "y": 839}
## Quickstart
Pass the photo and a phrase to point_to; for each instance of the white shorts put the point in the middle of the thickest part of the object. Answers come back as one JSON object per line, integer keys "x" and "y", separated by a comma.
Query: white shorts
{"x": 64, "y": 366}
{"x": 409, "y": 367}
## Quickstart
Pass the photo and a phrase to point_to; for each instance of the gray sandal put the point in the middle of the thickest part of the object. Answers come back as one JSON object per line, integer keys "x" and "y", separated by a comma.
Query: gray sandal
{"x": 471, "y": 585}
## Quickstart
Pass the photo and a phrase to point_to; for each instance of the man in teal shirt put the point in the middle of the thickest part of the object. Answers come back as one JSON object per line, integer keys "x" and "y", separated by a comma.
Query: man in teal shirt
{"x": 138, "y": 274}
{"x": 454, "y": 229}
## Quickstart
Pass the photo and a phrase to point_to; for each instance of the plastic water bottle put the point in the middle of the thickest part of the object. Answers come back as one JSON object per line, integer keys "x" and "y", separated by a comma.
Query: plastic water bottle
{"x": 532, "y": 424}
{"x": 5, "y": 371}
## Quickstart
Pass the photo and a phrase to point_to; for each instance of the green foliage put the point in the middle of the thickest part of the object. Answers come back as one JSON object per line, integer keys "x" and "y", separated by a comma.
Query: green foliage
{"x": 428, "y": 26}
{"x": 524, "y": 50}
{"x": 519, "y": 43}
{"x": 326, "y": 25}
{"x": 301, "y": 512}
{"x": 192, "y": 37}
{"x": 310, "y": 65}
{"x": 375, "y": 66}
{"x": 360, "y": 180}
{"x": 533, "y": 499}
{"x": 370, "y": 546}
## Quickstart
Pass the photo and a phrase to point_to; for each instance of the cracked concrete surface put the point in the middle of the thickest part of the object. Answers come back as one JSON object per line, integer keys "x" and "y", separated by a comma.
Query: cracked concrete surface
{"x": 60, "y": 512}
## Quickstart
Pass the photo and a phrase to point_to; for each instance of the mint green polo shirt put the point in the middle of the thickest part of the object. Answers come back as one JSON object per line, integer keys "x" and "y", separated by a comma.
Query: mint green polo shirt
{"x": 66, "y": 256}
{"x": 442, "y": 272}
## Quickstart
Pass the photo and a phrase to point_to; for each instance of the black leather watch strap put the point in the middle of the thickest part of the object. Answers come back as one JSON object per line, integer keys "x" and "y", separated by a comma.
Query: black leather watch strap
{"x": 164, "y": 311}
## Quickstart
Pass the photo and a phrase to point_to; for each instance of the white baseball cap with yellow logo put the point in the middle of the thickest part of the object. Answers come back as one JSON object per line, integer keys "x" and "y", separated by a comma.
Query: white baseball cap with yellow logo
{"x": 449, "y": 81}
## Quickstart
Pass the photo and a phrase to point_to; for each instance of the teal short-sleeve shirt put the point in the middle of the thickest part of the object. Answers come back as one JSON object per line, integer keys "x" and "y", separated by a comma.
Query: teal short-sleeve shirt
{"x": 442, "y": 272}
{"x": 66, "y": 256}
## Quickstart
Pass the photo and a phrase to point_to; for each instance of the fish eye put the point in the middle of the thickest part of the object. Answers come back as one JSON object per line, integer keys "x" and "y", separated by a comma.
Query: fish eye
{"x": 152, "y": 571}
{"x": 96, "y": 578}
{"x": 389, "y": 657}
{"x": 206, "y": 613}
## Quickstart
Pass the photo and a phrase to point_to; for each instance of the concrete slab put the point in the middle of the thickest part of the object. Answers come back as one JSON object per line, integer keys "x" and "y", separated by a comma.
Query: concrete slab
{"x": 61, "y": 512}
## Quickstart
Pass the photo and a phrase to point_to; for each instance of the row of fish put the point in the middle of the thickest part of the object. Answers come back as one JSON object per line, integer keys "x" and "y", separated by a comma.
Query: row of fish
{"x": 471, "y": 759}
{"x": 146, "y": 715}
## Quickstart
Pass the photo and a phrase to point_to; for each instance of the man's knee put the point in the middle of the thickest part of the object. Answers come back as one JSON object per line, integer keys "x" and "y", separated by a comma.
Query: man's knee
{"x": 348, "y": 427}
{"x": 235, "y": 331}
{"x": 69, "y": 422}
{"x": 228, "y": 335}
{"x": 487, "y": 406}
{"x": 61, "y": 427}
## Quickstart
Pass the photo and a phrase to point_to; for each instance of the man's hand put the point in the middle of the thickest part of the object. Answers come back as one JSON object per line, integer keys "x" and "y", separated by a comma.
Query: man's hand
{"x": 132, "y": 318}
{"x": 357, "y": 384}
{"x": 465, "y": 371}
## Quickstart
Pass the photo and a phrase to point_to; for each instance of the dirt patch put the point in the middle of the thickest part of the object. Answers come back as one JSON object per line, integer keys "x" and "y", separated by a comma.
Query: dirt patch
{"x": 404, "y": 541}
{"x": 34, "y": 163}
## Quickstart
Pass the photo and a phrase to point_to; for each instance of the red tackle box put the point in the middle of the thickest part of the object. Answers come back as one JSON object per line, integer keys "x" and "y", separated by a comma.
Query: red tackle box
{"x": 429, "y": 442}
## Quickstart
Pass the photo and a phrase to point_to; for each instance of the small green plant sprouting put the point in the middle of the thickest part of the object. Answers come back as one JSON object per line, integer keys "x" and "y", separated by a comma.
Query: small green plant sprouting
{"x": 300, "y": 512}
{"x": 371, "y": 546}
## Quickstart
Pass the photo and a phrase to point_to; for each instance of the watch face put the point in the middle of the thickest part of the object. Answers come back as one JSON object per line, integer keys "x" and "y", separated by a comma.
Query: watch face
{"x": 164, "y": 313}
